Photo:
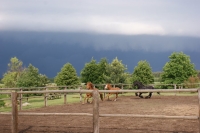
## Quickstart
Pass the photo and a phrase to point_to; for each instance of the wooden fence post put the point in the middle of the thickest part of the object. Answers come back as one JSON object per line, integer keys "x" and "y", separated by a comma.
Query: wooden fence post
{"x": 65, "y": 96}
{"x": 95, "y": 111}
{"x": 80, "y": 88}
{"x": 175, "y": 89}
{"x": 45, "y": 97}
{"x": 122, "y": 87}
{"x": 20, "y": 100}
{"x": 14, "y": 112}
{"x": 104, "y": 94}
{"x": 199, "y": 107}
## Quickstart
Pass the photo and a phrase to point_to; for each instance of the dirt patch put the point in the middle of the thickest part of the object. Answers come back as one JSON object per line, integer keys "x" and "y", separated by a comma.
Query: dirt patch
{"x": 157, "y": 105}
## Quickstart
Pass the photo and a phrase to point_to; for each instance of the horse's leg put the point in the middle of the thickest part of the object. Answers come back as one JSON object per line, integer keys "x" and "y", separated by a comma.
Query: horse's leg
{"x": 116, "y": 97}
{"x": 101, "y": 96}
{"x": 88, "y": 100}
{"x": 149, "y": 96}
{"x": 136, "y": 94}
{"x": 92, "y": 100}
{"x": 90, "y": 97}
{"x": 140, "y": 95}
{"x": 84, "y": 99}
{"x": 108, "y": 96}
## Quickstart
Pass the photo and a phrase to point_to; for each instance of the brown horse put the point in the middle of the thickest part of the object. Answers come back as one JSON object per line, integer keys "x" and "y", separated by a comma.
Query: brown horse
{"x": 90, "y": 86}
{"x": 109, "y": 87}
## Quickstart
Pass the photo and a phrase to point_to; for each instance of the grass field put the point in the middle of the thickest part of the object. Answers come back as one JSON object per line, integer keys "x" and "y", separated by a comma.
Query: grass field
{"x": 38, "y": 102}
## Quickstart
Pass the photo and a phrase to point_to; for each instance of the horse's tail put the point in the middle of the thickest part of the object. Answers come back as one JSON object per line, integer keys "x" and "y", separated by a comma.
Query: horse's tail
{"x": 157, "y": 92}
{"x": 101, "y": 96}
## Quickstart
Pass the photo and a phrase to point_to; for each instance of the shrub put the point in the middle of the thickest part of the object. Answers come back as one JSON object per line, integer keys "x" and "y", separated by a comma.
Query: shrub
{"x": 2, "y": 103}
{"x": 191, "y": 82}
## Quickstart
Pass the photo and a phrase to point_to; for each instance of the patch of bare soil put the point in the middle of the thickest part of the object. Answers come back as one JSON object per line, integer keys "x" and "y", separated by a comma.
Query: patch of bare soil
{"x": 157, "y": 105}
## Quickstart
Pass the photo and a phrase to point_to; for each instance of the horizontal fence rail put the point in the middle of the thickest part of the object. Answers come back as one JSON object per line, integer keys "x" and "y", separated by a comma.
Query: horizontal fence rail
{"x": 107, "y": 91}
{"x": 78, "y": 86}
{"x": 105, "y": 115}
{"x": 150, "y": 116}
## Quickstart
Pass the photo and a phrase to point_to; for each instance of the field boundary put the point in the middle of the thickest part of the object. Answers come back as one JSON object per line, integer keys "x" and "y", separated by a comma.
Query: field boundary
{"x": 14, "y": 113}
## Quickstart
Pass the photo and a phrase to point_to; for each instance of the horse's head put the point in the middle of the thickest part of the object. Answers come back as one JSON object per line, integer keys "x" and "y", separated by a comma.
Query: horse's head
{"x": 89, "y": 85}
{"x": 107, "y": 86}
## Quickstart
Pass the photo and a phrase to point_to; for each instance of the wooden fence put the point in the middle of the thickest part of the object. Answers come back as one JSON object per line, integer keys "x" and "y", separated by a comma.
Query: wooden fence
{"x": 77, "y": 87}
{"x": 14, "y": 113}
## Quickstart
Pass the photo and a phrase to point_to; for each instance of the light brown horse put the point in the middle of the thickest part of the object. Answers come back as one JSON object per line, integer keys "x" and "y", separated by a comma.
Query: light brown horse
{"x": 90, "y": 86}
{"x": 109, "y": 87}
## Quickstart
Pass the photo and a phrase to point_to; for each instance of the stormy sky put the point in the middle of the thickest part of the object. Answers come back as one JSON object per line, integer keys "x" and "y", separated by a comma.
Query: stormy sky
{"x": 158, "y": 26}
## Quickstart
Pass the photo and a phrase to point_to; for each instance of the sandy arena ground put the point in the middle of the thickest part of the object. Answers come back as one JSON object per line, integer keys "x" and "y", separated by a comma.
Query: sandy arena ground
{"x": 157, "y": 105}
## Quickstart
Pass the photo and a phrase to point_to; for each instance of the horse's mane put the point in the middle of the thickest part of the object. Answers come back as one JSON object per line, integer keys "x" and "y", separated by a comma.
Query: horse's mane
{"x": 138, "y": 83}
{"x": 90, "y": 84}
{"x": 109, "y": 85}
{"x": 141, "y": 86}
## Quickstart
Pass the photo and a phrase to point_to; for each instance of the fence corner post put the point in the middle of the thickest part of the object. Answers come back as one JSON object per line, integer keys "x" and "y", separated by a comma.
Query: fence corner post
{"x": 14, "y": 112}
{"x": 95, "y": 111}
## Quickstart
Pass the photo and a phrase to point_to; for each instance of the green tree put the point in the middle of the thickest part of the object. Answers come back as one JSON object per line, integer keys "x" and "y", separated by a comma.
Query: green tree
{"x": 15, "y": 65}
{"x": 178, "y": 69}
{"x": 115, "y": 72}
{"x": 94, "y": 72}
{"x": 102, "y": 70}
{"x": 67, "y": 76}
{"x": 90, "y": 72}
{"x": 32, "y": 78}
{"x": 143, "y": 73}
{"x": 9, "y": 79}
{"x": 15, "y": 69}
{"x": 198, "y": 73}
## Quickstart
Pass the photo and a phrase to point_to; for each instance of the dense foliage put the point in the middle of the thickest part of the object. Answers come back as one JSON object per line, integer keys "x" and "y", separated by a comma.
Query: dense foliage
{"x": 102, "y": 70}
{"x": 115, "y": 72}
{"x": 30, "y": 77}
{"x": 67, "y": 76}
{"x": 143, "y": 73}
{"x": 90, "y": 72}
{"x": 15, "y": 69}
{"x": 2, "y": 103}
{"x": 17, "y": 76}
{"x": 178, "y": 69}
{"x": 94, "y": 72}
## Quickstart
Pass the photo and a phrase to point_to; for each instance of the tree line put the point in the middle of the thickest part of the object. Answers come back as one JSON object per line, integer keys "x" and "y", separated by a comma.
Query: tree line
{"x": 177, "y": 70}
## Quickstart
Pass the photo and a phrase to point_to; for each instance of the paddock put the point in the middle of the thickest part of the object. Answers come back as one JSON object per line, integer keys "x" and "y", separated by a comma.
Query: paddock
{"x": 165, "y": 114}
